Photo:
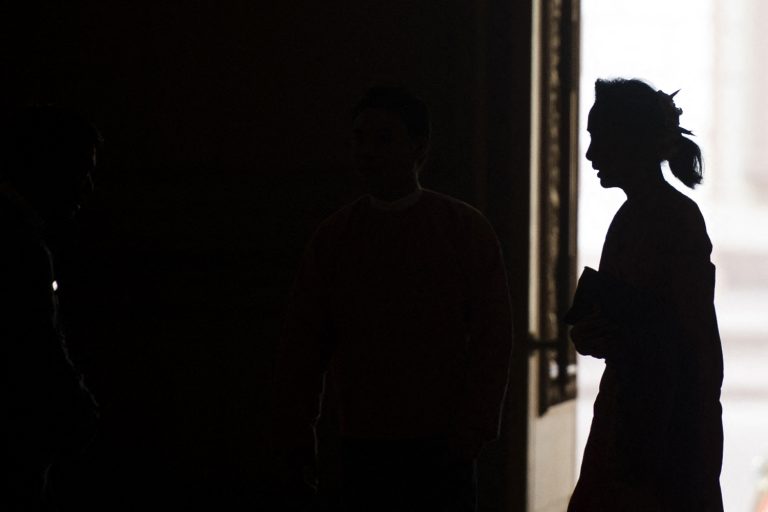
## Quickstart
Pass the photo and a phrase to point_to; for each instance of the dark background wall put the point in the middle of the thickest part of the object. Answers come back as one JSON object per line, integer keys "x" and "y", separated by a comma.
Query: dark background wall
{"x": 226, "y": 127}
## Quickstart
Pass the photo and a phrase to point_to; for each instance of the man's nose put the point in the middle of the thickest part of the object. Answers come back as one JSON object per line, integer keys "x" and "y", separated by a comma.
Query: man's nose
{"x": 86, "y": 188}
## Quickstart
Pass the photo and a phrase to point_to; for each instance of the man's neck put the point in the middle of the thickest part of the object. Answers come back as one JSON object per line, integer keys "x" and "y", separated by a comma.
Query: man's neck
{"x": 396, "y": 191}
{"x": 401, "y": 202}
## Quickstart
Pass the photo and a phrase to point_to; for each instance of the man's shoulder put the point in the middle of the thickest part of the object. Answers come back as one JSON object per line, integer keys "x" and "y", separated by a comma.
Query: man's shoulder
{"x": 464, "y": 213}
{"x": 338, "y": 222}
{"x": 447, "y": 202}
{"x": 344, "y": 213}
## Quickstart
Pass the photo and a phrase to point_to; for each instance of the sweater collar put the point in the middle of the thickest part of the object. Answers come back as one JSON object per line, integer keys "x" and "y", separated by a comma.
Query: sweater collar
{"x": 400, "y": 204}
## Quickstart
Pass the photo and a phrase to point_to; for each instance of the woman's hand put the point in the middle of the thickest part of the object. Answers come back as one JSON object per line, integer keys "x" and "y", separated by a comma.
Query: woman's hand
{"x": 594, "y": 334}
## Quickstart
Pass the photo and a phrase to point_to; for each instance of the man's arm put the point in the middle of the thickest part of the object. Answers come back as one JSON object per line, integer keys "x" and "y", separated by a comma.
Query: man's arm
{"x": 490, "y": 343}
{"x": 303, "y": 354}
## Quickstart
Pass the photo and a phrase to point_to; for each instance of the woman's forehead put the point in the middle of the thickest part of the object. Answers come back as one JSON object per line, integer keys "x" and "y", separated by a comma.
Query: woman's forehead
{"x": 599, "y": 119}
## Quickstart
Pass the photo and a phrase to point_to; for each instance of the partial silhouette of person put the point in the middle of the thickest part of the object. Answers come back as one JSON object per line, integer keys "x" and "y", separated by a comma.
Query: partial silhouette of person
{"x": 47, "y": 157}
{"x": 402, "y": 299}
{"x": 656, "y": 440}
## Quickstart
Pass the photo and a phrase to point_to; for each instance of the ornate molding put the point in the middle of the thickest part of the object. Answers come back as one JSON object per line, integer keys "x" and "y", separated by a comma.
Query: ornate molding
{"x": 558, "y": 174}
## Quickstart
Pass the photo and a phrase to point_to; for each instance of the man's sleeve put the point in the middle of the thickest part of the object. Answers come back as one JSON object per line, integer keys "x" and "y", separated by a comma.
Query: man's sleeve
{"x": 303, "y": 353}
{"x": 490, "y": 343}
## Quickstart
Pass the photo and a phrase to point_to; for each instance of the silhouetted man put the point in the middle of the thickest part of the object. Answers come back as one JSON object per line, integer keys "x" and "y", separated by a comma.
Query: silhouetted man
{"x": 46, "y": 160}
{"x": 402, "y": 297}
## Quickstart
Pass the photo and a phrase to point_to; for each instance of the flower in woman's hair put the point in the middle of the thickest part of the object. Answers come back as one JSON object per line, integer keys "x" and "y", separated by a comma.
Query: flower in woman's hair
{"x": 672, "y": 132}
{"x": 671, "y": 113}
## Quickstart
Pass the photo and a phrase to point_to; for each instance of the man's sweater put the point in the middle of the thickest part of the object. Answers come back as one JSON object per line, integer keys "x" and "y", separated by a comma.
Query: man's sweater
{"x": 406, "y": 306}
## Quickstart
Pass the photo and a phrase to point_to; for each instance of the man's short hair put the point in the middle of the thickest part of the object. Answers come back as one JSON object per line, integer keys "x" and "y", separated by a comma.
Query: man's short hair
{"x": 398, "y": 100}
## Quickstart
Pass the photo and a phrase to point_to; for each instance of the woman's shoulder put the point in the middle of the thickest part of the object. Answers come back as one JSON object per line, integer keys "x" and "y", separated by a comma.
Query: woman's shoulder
{"x": 682, "y": 220}
{"x": 680, "y": 208}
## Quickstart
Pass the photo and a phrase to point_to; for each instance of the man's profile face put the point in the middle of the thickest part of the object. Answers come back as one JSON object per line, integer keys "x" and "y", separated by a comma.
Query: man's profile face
{"x": 383, "y": 150}
{"x": 61, "y": 197}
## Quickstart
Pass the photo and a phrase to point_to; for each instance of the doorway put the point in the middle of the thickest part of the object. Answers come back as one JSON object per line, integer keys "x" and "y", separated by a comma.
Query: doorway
{"x": 713, "y": 51}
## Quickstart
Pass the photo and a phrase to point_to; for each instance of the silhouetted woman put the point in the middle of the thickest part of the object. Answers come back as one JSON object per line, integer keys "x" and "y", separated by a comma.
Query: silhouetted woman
{"x": 656, "y": 437}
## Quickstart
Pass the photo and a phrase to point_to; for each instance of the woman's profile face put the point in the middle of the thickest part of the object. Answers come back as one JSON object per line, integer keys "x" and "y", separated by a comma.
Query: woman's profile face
{"x": 606, "y": 150}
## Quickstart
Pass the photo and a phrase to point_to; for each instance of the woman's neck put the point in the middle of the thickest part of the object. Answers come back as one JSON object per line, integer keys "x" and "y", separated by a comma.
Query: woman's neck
{"x": 647, "y": 180}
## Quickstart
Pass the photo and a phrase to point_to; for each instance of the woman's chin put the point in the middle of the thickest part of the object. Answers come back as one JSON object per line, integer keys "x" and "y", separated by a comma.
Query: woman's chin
{"x": 606, "y": 181}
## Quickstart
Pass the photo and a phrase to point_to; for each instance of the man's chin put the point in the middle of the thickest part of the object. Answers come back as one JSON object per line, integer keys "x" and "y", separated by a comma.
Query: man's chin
{"x": 369, "y": 179}
{"x": 62, "y": 217}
